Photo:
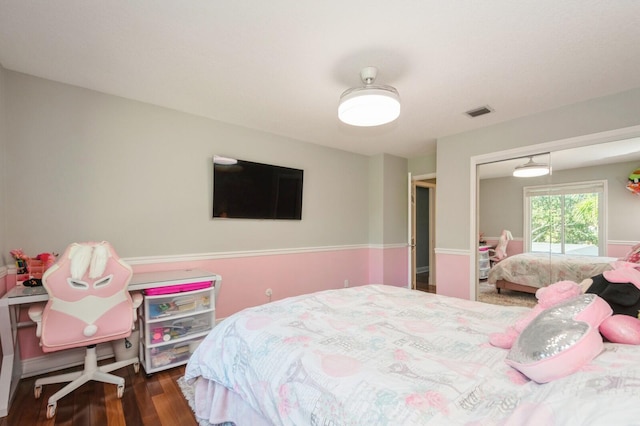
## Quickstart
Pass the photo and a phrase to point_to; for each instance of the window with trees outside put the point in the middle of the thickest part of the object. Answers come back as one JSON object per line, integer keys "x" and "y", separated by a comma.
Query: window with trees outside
{"x": 566, "y": 218}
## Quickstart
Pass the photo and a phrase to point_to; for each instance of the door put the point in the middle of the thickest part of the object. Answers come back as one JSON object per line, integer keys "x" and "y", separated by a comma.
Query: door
{"x": 422, "y": 234}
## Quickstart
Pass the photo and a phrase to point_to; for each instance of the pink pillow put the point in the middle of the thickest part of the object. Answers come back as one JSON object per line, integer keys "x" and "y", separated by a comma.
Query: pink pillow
{"x": 560, "y": 340}
{"x": 621, "y": 329}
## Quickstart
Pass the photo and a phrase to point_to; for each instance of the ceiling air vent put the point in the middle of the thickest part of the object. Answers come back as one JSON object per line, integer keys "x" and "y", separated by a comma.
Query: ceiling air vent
{"x": 479, "y": 111}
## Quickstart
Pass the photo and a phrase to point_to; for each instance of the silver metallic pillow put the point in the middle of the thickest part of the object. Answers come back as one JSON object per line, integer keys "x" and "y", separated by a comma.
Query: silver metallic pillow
{"x": 560, "y": 340}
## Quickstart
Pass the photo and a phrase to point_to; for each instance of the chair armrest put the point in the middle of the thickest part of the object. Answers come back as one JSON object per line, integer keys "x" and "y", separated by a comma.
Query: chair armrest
{"x": 137, "y": 299}
{"x": 35, "y": 314}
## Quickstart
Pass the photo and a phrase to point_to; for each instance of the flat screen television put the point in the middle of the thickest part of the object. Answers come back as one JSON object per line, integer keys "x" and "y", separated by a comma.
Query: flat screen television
{"x": 247, "y": 190}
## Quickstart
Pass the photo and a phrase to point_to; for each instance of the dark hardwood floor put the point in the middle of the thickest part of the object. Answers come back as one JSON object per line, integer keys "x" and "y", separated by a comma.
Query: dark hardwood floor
{"x": 147, "y": 401}
{"x": 422, "y": 283}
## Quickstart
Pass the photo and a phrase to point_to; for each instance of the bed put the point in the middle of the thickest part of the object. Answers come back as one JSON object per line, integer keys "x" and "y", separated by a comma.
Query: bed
{"x": 383, "y": 355}
{"x": 528, "y": 272}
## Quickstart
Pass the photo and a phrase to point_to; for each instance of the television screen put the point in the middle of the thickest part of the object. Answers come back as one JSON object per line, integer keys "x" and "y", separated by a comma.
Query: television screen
{"x": 246, "y": 190}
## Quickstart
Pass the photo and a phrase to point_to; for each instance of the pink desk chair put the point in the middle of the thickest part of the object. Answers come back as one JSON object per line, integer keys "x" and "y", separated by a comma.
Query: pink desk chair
{"x": 500, "y": 252}
{"x": 88, "y": 304}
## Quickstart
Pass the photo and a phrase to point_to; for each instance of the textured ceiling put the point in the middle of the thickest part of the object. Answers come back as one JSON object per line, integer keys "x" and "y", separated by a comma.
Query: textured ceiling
{"x": 280, "y": 66}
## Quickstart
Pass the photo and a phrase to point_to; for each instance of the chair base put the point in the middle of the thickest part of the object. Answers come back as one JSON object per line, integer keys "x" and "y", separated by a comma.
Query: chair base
{"x": 76, "y": 379}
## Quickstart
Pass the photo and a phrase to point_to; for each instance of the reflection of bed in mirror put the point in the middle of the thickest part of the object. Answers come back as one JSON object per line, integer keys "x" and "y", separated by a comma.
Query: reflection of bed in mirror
{"x": 528, "y": 272}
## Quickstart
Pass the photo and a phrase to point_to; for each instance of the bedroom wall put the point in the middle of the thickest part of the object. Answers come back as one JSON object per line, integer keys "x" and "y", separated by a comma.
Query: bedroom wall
{"x": 388, "y": 219}
{"x": 86, "y": 165}
{"x": 83, "y": 165}
{"x": 423, "y": 165}
{"x": 90, "y": 166}
{"x": 4, "y": 256}
{"x": 453, "y": 226}
{"x": 501, "y": 205}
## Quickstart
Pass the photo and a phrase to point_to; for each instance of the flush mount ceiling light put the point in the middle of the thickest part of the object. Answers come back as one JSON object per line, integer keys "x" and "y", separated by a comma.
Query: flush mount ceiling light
{"x": 371, "y": 105}
{"x": 531, "y": 169}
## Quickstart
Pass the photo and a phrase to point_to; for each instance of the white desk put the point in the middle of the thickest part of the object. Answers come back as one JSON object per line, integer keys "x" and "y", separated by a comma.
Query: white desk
{"x": 11, "y": 370}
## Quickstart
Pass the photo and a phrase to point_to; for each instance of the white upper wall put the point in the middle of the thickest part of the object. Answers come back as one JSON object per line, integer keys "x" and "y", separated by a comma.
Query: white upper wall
{"x": 453, "y": 227}
{"x": 422, "y": 165}
{"x": 396, "y": 196}
{"x": 388, "y": 199}
{"x": 82, "y": 165}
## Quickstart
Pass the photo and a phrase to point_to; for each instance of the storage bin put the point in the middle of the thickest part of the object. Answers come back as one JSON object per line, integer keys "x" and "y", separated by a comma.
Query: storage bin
{"x": 172, "y": 325}
{"x": 483, "y": 273}
{"x": 171, "y": 329}
{"x": 177, "y": 305}
{"x": 171, "y": 354}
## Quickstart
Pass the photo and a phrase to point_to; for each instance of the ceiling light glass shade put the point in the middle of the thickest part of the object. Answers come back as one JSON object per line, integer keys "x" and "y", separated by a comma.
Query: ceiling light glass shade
{"x": 531, "y": 169}
{"x": 369, "y": 106}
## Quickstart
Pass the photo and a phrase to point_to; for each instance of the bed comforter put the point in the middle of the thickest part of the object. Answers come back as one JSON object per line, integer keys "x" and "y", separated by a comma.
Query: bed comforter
{"x": 382, "y": 355}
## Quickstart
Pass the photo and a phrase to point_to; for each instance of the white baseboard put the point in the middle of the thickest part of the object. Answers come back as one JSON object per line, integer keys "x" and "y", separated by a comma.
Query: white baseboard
{"x": 55, "y": 361}
{"x": 422, "y": 269}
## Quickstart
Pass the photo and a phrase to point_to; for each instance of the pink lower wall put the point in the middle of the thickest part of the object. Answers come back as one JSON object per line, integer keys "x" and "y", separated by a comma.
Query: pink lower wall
{"x": 245, "y": 279}
{"x": 453, "y": 275}
{"x": 389, "y": 266}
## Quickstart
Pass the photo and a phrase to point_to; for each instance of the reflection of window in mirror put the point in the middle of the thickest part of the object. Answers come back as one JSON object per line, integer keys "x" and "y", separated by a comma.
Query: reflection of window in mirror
{"x": 565, "y": 218}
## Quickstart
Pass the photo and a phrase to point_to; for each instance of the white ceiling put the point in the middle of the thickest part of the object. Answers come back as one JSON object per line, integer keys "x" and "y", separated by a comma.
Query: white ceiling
{"x": 280, "y": 66}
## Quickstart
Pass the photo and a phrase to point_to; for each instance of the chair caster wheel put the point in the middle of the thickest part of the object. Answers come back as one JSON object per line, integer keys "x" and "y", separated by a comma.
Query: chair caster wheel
{"x": 51, "y": 410}
{"x": 37, "y": 391}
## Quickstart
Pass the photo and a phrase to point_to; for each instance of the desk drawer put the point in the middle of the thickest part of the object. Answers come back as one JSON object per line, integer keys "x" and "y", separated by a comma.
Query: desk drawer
{"x": 177, "y": 304}
{"x": 172, "y": 329}
{"x": 171, "y": 355}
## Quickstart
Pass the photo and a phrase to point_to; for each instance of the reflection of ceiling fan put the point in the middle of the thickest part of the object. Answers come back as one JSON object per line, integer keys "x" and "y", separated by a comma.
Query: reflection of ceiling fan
{"x": 531, "y": 169}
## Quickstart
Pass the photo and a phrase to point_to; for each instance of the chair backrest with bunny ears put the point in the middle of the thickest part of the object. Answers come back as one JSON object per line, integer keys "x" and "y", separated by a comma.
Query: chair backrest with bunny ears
{"x": 88, "y": 298}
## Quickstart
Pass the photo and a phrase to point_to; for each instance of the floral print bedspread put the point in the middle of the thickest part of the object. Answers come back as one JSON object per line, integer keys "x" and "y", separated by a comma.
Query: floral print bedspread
{"x": 541, "y": 269}
{"x": 383, "y": 355}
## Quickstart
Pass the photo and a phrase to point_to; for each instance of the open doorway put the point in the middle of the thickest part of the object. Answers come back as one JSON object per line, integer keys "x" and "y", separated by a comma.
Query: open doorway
{"x": 423, "y": 234}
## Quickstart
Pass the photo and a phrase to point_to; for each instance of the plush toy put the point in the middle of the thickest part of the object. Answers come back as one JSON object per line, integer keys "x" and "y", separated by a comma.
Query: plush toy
{"x": 547, "y": 297}
{"x": 633, "y": 256}
{"x": 620, "y": 288}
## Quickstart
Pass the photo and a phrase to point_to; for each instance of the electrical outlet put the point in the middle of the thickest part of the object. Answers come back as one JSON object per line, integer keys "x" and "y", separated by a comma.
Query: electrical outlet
{"x": 346, "y": 283}
{"x": 268, "y": 292}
